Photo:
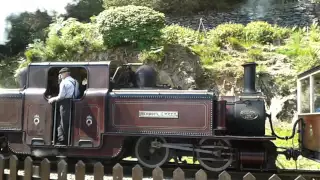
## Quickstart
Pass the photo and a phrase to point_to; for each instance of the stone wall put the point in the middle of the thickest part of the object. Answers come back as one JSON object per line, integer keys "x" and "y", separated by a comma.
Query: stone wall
{"x": 282, "y": 12}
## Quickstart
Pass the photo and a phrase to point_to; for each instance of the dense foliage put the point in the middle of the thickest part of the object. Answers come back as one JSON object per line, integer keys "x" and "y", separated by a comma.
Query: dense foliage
{"x": 184, "y": 7}
{"x": 66, "y": 40}
{"x": 24, "y": 29}
{"x": 130, "y": 24}
{"x": 82, "y": 10}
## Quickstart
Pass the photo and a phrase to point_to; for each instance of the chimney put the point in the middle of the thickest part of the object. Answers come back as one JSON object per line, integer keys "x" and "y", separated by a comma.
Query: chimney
{"x": 249, "y": 78}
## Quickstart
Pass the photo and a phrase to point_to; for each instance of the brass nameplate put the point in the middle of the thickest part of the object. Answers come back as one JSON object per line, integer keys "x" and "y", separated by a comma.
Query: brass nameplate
{"x": 159, "y": 114}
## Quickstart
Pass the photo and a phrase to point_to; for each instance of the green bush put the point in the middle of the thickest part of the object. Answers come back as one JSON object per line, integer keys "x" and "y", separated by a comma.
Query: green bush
{"x": 315, "y": 32}
{"x": 224, "y": 31}
{"x": 259, "y": 31}
{"x": 263, "y": 32}
{"x": 255, "y": 54}
{"x": 235, "y": 43}
{"x": 65, "y": 40}
{"x": 175, "y": 34}
{"x": 130, "y": 24}
{"x": 73, "y": 37}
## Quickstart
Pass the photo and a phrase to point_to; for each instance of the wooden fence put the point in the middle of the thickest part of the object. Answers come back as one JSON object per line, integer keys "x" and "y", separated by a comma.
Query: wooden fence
{"x": 98, "y": 173}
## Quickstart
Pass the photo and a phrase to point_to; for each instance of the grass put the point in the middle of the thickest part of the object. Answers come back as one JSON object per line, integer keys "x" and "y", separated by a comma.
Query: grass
{"x": 285, "y": 129}
{"x": 282, "y": 130}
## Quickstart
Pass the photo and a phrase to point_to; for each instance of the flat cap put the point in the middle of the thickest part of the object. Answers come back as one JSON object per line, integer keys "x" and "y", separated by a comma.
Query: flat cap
{"x": 64, "y": 70}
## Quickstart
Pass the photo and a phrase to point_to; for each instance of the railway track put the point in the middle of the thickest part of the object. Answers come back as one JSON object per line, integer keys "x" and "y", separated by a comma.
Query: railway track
{"x": 189, "y": 171}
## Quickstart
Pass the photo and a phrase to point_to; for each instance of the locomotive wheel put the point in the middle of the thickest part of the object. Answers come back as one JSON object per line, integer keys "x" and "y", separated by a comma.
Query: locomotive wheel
{"x": 220, "y": 159}
{"x": 148, "y": 156}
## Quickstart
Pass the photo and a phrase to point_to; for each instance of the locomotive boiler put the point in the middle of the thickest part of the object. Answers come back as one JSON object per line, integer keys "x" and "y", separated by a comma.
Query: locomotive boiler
{"x": 122, "y": 112}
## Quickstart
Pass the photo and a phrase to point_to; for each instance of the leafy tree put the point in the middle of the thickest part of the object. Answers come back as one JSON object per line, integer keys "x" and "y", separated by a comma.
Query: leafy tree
{"x": 177, "y": 6}
{"x": 130, "y": 25}
{"x": 67, "y": 40}
{"x": 26, "y": 27}
{"x": 84, "y": 9}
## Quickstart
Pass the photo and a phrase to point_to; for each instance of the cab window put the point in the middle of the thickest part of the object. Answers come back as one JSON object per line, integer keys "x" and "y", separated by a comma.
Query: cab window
{"x": 305, "y": 95}
{"x": 78, "y": 73}
{"x": 316, "y": 92}
{"x": 309, "y": 93}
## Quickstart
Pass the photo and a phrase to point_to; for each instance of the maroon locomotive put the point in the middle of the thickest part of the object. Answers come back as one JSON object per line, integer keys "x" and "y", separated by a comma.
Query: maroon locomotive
{"x": 123, "y": 113}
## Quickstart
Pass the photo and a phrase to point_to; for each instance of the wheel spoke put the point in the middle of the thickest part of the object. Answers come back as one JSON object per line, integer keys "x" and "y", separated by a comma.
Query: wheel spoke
{"x": 148, "y": 156}
{"x": 215, "y": 162}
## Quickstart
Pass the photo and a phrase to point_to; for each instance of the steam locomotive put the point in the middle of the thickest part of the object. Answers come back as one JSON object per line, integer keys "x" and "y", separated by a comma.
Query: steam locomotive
{"x": 122, "y": 112}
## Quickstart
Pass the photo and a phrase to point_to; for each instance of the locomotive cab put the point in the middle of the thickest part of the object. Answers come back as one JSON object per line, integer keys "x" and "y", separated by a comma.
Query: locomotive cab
{"x": 37, "y": 120}
{"x": 308, "y": 93}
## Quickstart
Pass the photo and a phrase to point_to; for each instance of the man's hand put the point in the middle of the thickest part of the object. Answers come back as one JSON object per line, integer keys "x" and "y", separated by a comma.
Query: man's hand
{"x": 51, "y": 100}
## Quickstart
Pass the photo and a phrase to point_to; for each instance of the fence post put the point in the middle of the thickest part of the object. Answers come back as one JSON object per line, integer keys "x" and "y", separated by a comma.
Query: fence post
{"x": 28, "y": 168}
{"x": 178, "y": 174}
{"x": 98, "y": 171}
{"x": 300, "y": 178}
{"x": 201, "y": 175}
{"x": 45, "y": 169}
{"x": 137, "y": 173}
{"x": 274, "y": 177}
{"x": 157, "y": 174}
{"x": 117, "y": 172}
{"x": 2, "y": 167}
{"x": 80, "y": 170}
{"x": 249, "y": 176}
{"x": 62, "y": 170}
{"x": 13, "y": 167}
{"x": 224, "y": 176}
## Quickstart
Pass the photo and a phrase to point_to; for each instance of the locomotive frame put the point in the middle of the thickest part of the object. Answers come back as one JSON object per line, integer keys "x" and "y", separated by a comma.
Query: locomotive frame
{"x": 153, "y": 124}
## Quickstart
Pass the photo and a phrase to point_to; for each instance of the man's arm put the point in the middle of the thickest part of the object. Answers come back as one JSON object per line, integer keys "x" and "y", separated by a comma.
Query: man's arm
{"x": 62, "y": 93}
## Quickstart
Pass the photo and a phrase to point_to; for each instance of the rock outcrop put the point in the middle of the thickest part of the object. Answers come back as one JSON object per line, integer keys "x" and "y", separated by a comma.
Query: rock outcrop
{"x": 179, "y": 67}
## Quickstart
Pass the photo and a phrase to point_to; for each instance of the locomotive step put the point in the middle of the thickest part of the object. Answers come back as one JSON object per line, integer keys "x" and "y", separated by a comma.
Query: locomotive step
{"x": 60, "y": 145}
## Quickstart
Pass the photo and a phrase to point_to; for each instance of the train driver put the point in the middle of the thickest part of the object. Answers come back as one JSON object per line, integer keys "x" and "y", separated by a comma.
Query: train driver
{"x": 68, "y": 89}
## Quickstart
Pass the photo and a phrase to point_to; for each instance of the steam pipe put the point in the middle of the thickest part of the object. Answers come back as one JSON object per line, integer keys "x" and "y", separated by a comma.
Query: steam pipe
{"x": 249, "y": 78}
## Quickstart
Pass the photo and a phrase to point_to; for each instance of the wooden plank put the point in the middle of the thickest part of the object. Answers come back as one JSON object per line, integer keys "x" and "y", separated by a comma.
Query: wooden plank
{"x": 28, "y": 168}
{"x": 2, "y": 167}
{"x": 117, "y": 172}
{"x": 249, "y": 176}
{"x": 98, "y": 171}
{"x": 80, "y": 170}
{"x": 157, "y": 174}
{"x": 178, "y": 174}
{"x": 224, "y": 176}
{"x": 62, "y": 170}
{"x": 201, "y": 175}
{"x": 13, "y": 167}
{"x": 137, "y": 173}
{"x": 45, "y": 169}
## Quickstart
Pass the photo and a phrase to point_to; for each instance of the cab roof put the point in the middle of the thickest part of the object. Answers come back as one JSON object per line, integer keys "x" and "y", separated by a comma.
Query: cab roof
{"x": 91, "y": 63}
{"x": 308, "y": 72}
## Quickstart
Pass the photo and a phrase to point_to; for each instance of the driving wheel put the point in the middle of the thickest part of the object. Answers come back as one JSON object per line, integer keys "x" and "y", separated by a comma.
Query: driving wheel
{"x": 221, "y": 156}
{"x": 149, "y": 156}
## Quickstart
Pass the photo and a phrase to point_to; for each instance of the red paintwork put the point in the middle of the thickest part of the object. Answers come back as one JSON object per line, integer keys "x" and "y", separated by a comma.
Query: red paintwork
{"x": 36, "y": 104}
{"x": 11, "y": 112}
{"x": 311, "y": 132}
{"x": 111, "y": 148}
{"x": 194, "y": 115}
{"x": 92, "y": 104}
